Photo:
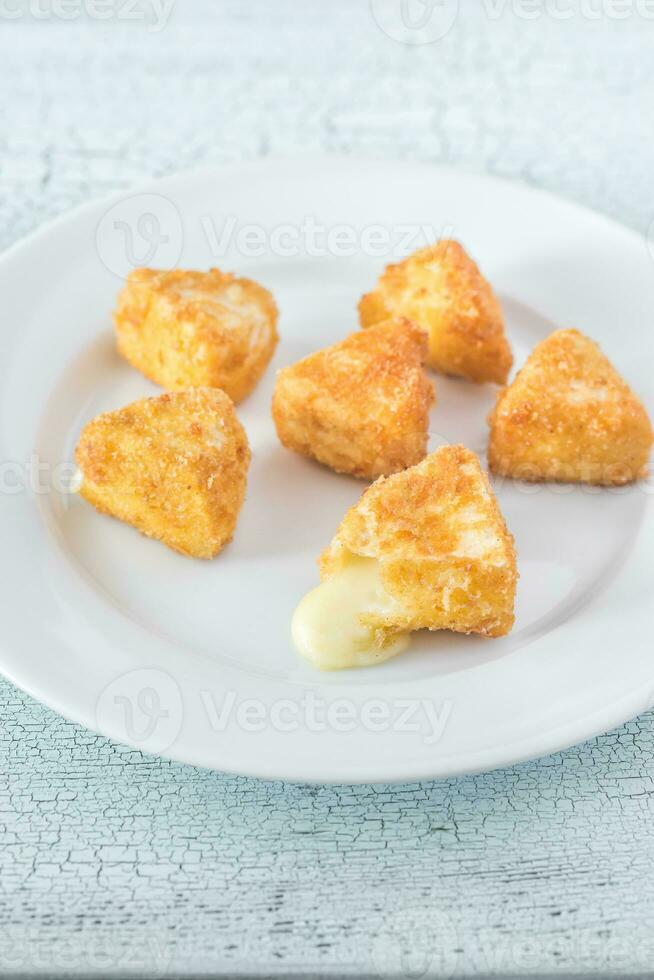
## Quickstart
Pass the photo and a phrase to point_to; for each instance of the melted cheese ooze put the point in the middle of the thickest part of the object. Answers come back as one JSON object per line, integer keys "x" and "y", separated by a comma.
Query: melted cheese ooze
{"x": 327, "y": 627}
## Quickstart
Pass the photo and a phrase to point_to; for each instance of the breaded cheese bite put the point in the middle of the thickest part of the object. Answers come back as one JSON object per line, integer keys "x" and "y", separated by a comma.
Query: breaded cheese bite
{"x": 570, "y": 417}
{"x": 424, "y": 549}
{"x": 441, "y": 289}
{"x": 361, "y": 406}
{"x": 175, "y": 467}
{"x": 194, "y": 329}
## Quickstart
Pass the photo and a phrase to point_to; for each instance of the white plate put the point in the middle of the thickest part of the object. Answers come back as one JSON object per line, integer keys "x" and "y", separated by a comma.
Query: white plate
{"x": 193, "y": 660}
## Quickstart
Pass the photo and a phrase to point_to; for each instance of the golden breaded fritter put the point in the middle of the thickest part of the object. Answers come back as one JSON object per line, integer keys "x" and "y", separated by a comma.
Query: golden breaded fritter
{"x": 569, "y": 416}
{"x": 445, "y": 553}
{"x": 441, "y": 289}
{"x": 175, "y": 467}
{"x": 361, "y": 406}
{"x": 193, "y": 329}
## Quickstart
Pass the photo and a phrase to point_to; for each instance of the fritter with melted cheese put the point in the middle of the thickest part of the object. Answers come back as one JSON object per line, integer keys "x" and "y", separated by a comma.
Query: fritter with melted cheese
{"x": 423, "y": 549}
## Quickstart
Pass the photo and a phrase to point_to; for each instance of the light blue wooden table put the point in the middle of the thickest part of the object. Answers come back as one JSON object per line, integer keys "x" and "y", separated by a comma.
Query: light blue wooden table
{"x": 113, "y": 864}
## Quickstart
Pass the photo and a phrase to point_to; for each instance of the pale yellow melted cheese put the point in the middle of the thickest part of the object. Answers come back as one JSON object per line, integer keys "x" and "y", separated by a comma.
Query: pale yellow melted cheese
{"x": 327, "y": 627}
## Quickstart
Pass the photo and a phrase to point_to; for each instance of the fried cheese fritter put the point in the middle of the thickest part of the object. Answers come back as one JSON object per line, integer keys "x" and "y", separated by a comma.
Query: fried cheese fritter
{"x": 361, "y": 406}
{"x": 197, "y": 329}
{"x": 175, "y": 467}
{"x": 568, "y": 416}
{"x": 442, "y": 290}
{"x": 446, "y": 559}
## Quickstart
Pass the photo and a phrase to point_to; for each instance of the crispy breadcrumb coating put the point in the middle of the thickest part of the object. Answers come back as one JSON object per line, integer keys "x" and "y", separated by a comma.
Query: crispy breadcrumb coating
{"x": 361, "y": 406}
{"x": 569, "y": 416}
{"x": 184, "y": 329}
{"x": 441, "y": 289}
{"x": 175, "y": 467}
{"x": 445, "y": 552}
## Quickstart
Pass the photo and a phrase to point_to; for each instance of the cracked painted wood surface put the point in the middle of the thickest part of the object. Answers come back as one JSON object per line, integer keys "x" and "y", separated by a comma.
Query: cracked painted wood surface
{"x": 116, "y": 864}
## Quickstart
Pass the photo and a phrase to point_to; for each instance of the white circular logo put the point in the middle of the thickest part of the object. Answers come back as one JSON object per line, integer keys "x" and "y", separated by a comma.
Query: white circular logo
{"x": 142, "y": 230}
{"x": 141, "y": 708}
{"x": 415, "y": 21}
{"x": 415, "y": 944}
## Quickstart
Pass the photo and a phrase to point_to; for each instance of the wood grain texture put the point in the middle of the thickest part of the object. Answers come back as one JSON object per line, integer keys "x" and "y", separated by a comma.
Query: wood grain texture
{"x": 113, "y": 864}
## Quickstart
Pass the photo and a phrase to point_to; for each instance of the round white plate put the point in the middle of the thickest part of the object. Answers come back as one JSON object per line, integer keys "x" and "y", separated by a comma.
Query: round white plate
{"x": 193, "y": 660}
